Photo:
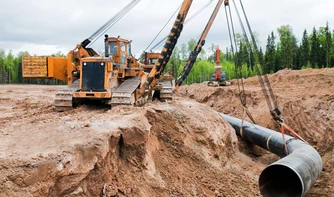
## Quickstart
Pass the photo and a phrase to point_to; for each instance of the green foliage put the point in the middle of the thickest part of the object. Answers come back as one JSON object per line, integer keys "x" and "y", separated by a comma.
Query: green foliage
{"x": 11, "y": 69}
{"x": 202, "y": 71}
{"x": 328, "y": 45}
{"x": 304, "y": 50}
{"x": 308, "y": 65}
{"x": 270, "y": 55}
{"x": 288, "y": 46}
{"x": 315, "y": 49}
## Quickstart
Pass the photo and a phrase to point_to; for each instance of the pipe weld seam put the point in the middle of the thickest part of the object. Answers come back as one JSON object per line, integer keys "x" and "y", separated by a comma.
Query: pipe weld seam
{"x": 268, "y": 141}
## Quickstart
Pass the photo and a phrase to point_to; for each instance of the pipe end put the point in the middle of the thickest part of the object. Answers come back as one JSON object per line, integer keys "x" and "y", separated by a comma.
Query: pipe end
{"x": 280, "y": 180}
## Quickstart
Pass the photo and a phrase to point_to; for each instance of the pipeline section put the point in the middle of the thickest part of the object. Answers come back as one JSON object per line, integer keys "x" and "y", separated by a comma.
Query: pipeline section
{"x": 291, "y": 176}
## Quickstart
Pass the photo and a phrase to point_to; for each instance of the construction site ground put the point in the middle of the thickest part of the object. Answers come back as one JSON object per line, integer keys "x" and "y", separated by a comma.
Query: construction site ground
{"x": 176, "y": 148}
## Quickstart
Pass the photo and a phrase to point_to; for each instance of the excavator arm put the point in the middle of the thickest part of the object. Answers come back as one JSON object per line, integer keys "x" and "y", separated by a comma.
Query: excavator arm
{"x": 151, "y": 79}
{"x": 193, "y": 55}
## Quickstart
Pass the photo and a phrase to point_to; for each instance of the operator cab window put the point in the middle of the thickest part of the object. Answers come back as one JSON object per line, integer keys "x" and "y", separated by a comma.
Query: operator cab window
{"x": 123, "y": 47}
{"x": 113, "y": 48}
{"x": 129, "y": 49}
{"x": 123, "y": 50}
{"x": 153, "y": 61}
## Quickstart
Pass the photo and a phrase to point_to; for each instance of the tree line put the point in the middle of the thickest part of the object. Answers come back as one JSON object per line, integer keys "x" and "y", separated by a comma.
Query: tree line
{"x": 11, "y": 69}
{"x": 282, "y": 50}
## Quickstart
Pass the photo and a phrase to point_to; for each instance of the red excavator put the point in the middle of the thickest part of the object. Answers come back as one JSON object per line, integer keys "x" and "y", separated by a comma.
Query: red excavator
{"x": 219, "y": 76}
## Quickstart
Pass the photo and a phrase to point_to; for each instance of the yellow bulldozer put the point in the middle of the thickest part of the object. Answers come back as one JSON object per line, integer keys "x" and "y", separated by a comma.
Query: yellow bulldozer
{"x": 116, "y": 78}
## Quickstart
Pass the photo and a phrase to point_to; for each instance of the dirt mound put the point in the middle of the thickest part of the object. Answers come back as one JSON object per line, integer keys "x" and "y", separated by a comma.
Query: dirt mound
{"x": 181, "y": 148}
{"x": 306, "y": 99}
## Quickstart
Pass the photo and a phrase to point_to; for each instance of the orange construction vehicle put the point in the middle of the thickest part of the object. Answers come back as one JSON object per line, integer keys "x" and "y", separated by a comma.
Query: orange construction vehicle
{"x": 149, "y": 60}
{"x": 166, "y": 83}
{"x": 193, "y": 55}
{"x": 219, "y": 76}
{"x": 117, "y": 78}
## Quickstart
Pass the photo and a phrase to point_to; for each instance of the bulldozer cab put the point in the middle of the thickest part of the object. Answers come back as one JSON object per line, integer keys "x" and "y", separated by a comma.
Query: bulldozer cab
{"x": 151, "y": 58}
{"x": 119, "y": 49}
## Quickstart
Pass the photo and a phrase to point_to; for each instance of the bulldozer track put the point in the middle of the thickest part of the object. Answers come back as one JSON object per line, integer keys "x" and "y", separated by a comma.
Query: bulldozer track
{"x": 125, "y": 93}
{"x": 166, "y": 93}
{"x": 64, "y": 98}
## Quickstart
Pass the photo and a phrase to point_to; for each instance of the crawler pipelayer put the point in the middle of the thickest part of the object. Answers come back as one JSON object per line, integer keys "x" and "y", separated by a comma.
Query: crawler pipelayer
{"x": 116, "y": 79}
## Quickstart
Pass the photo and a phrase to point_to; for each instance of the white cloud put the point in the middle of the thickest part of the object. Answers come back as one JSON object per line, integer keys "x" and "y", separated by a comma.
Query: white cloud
{"x": 45, "y": 27}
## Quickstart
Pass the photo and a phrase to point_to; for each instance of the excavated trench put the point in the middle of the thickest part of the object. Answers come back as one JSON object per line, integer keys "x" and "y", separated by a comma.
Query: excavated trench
{"x": 306, "y": 100}
{"x": 181, "y": 148}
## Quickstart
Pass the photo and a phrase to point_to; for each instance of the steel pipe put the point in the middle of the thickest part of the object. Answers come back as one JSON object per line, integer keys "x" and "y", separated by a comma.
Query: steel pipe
{"x": 295, "y": 173}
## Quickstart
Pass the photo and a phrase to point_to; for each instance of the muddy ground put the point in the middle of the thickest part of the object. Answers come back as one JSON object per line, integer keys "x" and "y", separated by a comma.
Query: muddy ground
{"x": 178, "y": 148}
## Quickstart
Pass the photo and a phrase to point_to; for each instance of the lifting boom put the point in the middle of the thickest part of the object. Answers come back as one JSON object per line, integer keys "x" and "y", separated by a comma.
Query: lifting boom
{"x": 193, "y": 56}
{"x": 166, "y": 52}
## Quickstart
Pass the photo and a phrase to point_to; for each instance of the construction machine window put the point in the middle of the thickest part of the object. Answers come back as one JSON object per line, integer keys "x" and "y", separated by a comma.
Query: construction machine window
{"x": 129, "y": 49}
{"x": 153, "y": 61}
{"x": 123, "y": 47}
{"x": 113, "y": 48}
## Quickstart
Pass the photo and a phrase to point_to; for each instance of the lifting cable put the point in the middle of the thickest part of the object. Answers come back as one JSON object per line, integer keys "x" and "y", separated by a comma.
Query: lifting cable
{"x": 161, "y": 42}
{"x": 274, "y": 102}
{"x": 111, "y": 22}
{"x": 238, "y": 72}
{"x": 275, "y": 112}
{"x": 163, "y": 27}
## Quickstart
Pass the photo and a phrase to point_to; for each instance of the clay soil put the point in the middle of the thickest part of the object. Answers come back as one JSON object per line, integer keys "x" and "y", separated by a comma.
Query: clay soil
{"x": 177, "y": 148}
{"x": 306, "y": 99}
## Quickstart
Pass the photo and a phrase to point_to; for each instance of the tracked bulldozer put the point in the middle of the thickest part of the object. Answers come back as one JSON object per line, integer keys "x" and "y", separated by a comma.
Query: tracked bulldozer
{"x": 166, "y": 82}
{"x": 116, "y": 78}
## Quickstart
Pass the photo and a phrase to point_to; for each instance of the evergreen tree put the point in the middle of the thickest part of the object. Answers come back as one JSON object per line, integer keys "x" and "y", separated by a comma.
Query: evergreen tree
{"x": 245, "y": 54}
{"x": 328, "y": 44}
{"x": 304, "y": 50}
{"x": 239, "y": 56}
{"x": 2, "y": 66}
{"x": 315, "y": 49}
{"x": 261, "y": 56}
{"x": 278, "y": 60}
{"x": 297, "y": 64}
{"x": 269, "y": 60}
{"x": 9, "y": 66}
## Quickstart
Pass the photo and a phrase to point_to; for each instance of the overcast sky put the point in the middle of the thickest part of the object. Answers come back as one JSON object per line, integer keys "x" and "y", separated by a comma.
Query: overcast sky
{"x": 43, "y": 27}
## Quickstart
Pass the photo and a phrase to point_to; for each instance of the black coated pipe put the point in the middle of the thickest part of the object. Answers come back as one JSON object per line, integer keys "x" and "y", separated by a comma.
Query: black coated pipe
{"x": 291, "y": 176}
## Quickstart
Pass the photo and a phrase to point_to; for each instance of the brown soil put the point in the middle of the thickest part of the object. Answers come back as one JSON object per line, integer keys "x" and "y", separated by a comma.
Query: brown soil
{"x": 306, "y": 99}
{"x": 179, "y": 148}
